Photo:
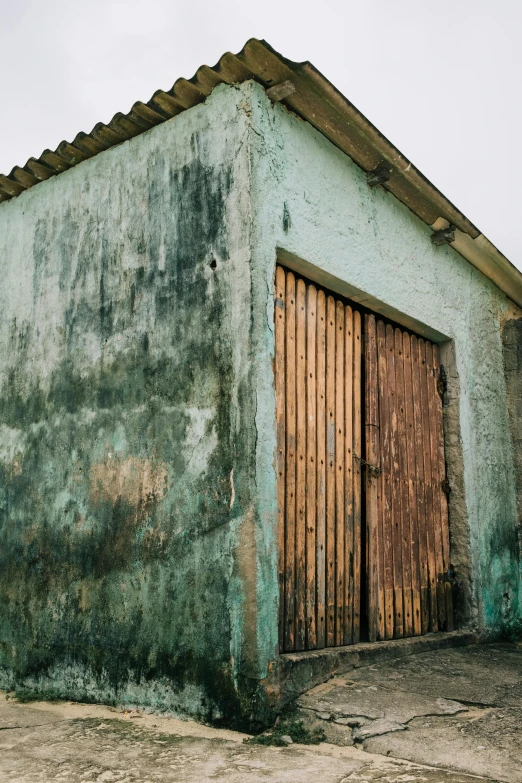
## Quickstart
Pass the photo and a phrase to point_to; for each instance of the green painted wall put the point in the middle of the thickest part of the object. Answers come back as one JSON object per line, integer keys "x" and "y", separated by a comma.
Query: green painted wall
{"x": 314, "y": 209}
{"x": 127, "y": 423}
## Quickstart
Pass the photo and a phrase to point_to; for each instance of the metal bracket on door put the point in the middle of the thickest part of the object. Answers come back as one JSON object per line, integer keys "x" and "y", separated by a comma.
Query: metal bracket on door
{"x": 375, "y": 470}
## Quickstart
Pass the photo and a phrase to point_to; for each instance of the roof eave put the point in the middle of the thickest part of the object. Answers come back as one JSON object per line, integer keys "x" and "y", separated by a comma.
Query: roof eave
{"x": 317, "y": 101}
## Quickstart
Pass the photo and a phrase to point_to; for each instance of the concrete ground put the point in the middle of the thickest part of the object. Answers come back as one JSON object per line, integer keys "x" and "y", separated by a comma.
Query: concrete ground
{"x": 452, "y": 715}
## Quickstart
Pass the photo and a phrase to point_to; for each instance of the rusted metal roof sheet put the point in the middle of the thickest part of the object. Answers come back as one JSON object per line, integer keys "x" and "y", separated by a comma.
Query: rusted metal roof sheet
{"x": 315, "y": 99}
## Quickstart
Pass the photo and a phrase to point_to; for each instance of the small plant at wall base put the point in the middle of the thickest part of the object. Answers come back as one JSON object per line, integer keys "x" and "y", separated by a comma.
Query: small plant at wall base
{"x": 288, "y": 728}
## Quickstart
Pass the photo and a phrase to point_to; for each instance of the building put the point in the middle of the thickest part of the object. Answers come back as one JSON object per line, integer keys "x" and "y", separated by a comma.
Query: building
{"x": 260, "y": 394}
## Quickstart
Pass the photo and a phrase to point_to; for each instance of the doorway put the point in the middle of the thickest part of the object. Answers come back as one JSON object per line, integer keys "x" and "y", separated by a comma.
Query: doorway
{"x": 363, "y": 515}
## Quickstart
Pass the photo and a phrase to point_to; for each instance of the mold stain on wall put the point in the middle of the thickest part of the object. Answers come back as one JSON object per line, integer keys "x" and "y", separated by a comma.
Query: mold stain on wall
{"x": 117, "y": 391}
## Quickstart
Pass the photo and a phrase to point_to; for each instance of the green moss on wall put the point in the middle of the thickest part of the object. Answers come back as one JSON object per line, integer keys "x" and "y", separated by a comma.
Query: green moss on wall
{"x": 118, "y": 408}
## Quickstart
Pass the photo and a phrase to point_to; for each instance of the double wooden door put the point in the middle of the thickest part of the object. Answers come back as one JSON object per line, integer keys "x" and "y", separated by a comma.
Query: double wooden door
{"x": 363, "y": 518}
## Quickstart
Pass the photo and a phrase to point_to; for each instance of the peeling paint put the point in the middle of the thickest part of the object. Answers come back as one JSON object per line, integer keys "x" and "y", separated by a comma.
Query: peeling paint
{"x": 134, "y": 480}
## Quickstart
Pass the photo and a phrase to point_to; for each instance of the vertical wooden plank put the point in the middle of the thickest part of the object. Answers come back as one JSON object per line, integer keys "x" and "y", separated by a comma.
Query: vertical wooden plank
{"x": 339, "y": 474}
{"x": 403, "y": 486}
{"x": 289, "y": 636}
{"x": 279, "y": 369}
{"x": 348, "y": 477}
{"x": 441, "y": 476}
{"x": 356, "y": 470}
{"x": 428, "y": 489}
{"x": 372, "y": 458}
{"x": 412, "y": 493}
{"x": 311, "y": 468}
{"x": 386, "y": 482}
{"x": 300, "y": 489}
{"x": 378, "y": 476}
{"x": 321, "y": 468}
{"x": 398, "y": 628}
{"x": 433, "y": 407}
{"x": 416, "y": 353}
{"x": 330, "y": 472}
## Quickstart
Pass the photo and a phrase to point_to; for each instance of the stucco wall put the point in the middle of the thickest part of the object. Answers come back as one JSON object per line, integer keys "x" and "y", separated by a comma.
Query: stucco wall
{"x": 138, "y": 537}
{"x": 126, "y": 422}
{"x": 314, "y": 209}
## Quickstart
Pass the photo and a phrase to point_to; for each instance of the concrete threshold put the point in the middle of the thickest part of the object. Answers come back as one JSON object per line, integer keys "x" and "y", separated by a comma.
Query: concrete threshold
{"x": 300, "y": 671}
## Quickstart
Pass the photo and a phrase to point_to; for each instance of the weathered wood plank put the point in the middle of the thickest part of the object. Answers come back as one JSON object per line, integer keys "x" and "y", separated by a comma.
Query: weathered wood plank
{"x": 348, "y": 478}
{"x": 330, "y": 472}
{"x": 420, "y": 484}
{"x": 378, "y": 477}
{"x": 311, "y": 468}
{"x": 300, "y": 530}
{"x": 339, "y": 474}
{"x": 403, "y": 486}
{"x": 428, "y": 488}
{"x": 279, "y": 368}
{"x": 356, "y": 467}
{"x": 398, "y": 627}
{"x": 290, "y": 500}
{"x": 386, "y": 482}
{"x": 372, "y": 458}
{"x": 412, "y": 493}
{"x": 321, "y": 469}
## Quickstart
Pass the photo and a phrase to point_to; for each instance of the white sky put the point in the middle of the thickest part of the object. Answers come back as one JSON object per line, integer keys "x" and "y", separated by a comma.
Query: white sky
{"x": 441, "y": 80}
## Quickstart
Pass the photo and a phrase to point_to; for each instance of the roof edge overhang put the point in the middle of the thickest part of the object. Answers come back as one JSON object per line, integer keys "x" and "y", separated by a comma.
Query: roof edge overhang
{"x": 311, "y": 96}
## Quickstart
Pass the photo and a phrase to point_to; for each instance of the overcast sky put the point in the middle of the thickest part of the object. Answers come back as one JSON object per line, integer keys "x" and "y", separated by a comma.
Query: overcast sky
{"x": 441, "y": 80}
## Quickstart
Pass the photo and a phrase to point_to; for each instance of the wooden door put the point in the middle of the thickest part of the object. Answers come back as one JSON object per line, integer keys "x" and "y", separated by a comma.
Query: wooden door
{"x": 407, "y": 530}
{"x": 398, "y": 561}
{"x": 318, "y": 393}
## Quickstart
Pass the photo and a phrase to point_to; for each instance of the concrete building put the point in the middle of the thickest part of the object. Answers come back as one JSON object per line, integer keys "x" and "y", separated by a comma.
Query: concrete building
{"x": 142, "y": 495}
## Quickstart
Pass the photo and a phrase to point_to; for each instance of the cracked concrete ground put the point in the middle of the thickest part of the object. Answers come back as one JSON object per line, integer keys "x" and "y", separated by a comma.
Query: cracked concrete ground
{"x": 450, "y": 716}
{"x": 457, "y": 709}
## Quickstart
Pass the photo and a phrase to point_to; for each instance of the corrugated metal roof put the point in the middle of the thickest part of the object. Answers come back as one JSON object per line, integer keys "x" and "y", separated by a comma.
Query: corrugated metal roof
{"x": 316, "y": 100}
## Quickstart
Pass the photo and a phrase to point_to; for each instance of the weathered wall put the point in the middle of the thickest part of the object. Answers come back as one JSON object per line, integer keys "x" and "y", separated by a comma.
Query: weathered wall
{"x": 314, "y": 209}
{"x": 138, "y": 538}
{"x": 512, "y": 342}
{"x": 127, "y": 423}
